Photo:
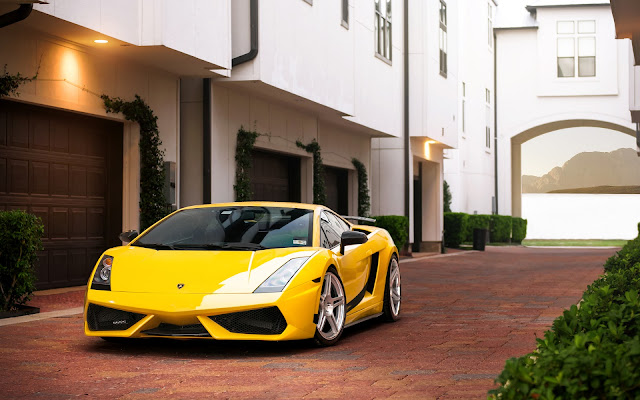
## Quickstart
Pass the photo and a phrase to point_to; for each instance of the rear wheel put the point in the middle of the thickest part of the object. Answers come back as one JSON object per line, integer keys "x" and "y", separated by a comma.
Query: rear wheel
{"x": 331, "y": 310}
{"x": 392, "y": 292}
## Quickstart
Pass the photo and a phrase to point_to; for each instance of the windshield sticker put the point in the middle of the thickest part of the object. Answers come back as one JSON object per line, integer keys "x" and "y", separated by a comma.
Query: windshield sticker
{"x": 300, "y": 242}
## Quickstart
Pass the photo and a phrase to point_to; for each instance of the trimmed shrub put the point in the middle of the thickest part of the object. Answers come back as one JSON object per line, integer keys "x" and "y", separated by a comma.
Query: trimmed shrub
{"x": 397, "y": 226}
{"x": 518, "y": 229}
{"x": 20, "y": 241}
{"x": 628, "y": 255}
{"x": 455, "y": 228}
{"x": 500, "y": 228}
{"x": 591, "y": 352}
{"x": 482, "y": 221}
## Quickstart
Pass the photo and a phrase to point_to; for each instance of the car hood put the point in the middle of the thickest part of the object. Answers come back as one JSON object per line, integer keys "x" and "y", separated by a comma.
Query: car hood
{"x": 143, "y": 270}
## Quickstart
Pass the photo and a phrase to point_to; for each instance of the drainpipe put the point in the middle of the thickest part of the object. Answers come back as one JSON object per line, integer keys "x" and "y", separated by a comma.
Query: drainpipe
{"x": 495, "y": 118}
{"x": 206, "y": 141}
{"x": 638, "y": 138}
{"x": 407, "y": 180}
{"x": 253, "y": 15}
{"x": 16, "y": 15}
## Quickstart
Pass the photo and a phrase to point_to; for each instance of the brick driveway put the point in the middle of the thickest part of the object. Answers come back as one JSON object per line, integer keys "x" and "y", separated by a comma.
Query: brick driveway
{"x": 463, "y": 316}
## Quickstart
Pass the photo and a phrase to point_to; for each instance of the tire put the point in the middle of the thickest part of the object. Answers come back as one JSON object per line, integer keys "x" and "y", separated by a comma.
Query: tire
{"x": 392, "y": 292}
{"x": 332, "y": 310}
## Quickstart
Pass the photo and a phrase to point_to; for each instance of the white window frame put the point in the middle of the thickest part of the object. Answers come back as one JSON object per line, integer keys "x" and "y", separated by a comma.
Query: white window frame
{"x": 383, "y": 30}
{"x": 464, "y": 103}
{"x": 576, "y": 36}
{"x": 490, "y": 24}
{"x": 442, "y": 17}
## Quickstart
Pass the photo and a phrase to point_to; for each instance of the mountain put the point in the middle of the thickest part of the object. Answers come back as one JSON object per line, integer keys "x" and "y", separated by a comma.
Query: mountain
{"x": 588, "y": 170}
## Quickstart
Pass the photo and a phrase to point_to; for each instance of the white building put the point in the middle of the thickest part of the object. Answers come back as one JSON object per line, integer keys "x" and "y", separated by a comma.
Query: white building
{"x": 291, "y": 71}
{"x": 558, "y": 66}
{"x": 470, "y": 168}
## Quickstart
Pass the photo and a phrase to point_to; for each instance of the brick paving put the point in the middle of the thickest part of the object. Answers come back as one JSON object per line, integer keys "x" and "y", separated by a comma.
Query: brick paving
{"x": 463, "y": 315}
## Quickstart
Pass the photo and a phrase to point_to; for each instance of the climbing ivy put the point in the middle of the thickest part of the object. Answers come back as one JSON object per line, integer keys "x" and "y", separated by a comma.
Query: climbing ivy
{"x": 319, "y": 195}
{"x": 9, "y": 84}
{"x": 152, "y": 201}
{"x": 244, "y": 147}
{"x": 364, "y": 203}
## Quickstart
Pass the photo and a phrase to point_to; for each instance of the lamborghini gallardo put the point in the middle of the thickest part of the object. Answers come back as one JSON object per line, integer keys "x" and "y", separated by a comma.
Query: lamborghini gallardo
{"x": 245, "y": 271}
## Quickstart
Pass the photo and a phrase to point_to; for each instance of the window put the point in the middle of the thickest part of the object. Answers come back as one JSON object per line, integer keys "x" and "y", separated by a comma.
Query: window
{"x": 487, "y": 94}
{"x": 464, "y": 100}
{"x": 490, "y": 24}
{"x": 382, "y": 28}
{"x": 576, "y": 38}
{"x": 488, "y": 134}
{"x": 345, "y": 13}
{"x": 443, "y": 38}
{"x": 331, "y": 228}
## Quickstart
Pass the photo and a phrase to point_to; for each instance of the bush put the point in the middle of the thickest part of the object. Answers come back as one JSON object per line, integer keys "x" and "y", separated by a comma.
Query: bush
{"x": 397, "y": 226}
{"x": 455, "y": 228}
{"x": 500, "y": 228}
{"x": 628, "y": 255}
{"x": 20, "y": 241}
{"x": 481, "y": 221}
{"x": 590, "y": 352}
{"x": 518, "y": 229}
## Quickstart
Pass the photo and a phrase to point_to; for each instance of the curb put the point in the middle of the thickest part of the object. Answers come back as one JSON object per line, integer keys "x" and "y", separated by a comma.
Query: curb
{"x": 41, "y": 316}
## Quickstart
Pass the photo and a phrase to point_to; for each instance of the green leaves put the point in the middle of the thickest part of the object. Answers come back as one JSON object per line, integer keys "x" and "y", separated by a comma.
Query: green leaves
{"x": 244, "y": 147}
{"x": 152, "y": 202}
{"x": 593, "y": 350}
{"x": 20, "y": 241}
{"x": 319, "y": 195}
{"x": 364, "y": 202}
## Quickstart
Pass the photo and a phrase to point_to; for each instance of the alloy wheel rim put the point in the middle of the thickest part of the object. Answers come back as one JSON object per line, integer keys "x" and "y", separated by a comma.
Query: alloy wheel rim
{"x": 331, "y": 313}
{"x": 394, "y": 287}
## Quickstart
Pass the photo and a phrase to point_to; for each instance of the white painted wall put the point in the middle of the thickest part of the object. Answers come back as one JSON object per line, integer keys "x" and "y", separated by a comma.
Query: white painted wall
{"x": 581, "y": 216}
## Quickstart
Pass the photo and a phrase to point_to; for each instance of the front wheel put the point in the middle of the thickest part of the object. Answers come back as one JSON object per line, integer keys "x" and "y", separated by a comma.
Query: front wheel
{"x": 331, "y": 310}
{"x": 392, "y": 292}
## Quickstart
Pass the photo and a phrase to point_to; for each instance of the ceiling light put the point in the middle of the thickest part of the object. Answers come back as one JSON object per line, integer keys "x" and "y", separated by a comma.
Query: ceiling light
{"x": 101, "y": 41}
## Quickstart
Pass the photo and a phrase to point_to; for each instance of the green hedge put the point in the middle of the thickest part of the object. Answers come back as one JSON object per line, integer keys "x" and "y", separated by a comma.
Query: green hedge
{"x": 591, "y": 352}
{"x": 500, "y": 228}
{"x": 455, "y": 228}
{"x": 518, "y": 229}
{"x": 20, "y": 241}
{"x": 396, "y": 225}
{"x": 482, "y": 221}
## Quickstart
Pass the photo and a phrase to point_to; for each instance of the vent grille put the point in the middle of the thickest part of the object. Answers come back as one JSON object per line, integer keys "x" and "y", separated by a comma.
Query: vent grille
{"x": 264, "y": 321}
{"x": 193, "y": 330}
{"x": 101, "y": 318}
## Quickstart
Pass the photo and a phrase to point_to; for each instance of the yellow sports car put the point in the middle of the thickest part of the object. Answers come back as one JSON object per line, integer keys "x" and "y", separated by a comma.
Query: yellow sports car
{"x": 245, "y": 271}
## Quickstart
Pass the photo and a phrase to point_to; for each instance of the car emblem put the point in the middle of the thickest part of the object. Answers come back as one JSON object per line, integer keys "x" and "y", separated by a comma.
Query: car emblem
{"x": 180, "y": 285}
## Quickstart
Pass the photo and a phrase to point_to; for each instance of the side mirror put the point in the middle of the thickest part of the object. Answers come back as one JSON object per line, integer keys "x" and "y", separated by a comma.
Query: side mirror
{"x": 128, "y": 236}
{"x": 351, "y": 237}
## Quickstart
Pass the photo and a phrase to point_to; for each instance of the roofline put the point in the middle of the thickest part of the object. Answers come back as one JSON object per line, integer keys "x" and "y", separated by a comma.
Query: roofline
{"x": 533, "y": 8}
{"x": 260, "y": 204}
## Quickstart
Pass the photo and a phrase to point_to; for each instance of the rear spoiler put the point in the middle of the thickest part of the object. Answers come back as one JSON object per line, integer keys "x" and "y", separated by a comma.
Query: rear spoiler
{"x": 358, "y": 219}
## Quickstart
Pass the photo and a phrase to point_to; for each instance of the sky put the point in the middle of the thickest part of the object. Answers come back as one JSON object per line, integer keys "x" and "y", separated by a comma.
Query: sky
{"x": 553, "y": 149}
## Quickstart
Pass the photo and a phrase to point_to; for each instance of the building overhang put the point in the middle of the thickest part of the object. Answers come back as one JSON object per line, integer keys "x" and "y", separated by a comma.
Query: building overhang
{"x": 160, "y": 57}
{"x": 626, "y": 15}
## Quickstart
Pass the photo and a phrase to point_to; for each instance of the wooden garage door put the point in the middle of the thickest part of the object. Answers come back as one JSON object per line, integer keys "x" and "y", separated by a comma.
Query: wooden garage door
{"x": 275, "y": 177}
{"x": 336, "y": 181}
{"x": 66, "y": 169}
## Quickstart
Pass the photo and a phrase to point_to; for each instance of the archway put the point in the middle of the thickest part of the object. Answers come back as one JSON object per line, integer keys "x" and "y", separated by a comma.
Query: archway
{"x": 528, "y": 134}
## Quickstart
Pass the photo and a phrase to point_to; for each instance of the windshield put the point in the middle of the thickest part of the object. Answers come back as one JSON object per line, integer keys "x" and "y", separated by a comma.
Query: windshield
{"x": 231, "y": 228}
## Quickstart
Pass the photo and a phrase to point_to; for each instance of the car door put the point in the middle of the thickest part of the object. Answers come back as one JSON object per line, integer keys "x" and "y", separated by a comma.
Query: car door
{"x": 354, "y": 264}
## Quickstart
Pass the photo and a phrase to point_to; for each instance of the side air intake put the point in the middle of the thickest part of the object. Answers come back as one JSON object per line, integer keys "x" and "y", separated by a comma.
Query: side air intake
{"x": 264, "y": 321}
{"x": 101, "y": 318}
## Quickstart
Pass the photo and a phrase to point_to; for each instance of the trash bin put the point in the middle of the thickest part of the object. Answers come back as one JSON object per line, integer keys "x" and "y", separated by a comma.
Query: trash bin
{"x": 480, "y": 238}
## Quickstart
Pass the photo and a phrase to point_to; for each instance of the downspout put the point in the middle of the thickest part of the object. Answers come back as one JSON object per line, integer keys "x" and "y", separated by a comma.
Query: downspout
{"x": 253, "y": 15}
{"x": 16, "y": 15}
{"x": 495, "y": 118}
{"x": 407, "y": 180}
{"x": 206, "y": 141}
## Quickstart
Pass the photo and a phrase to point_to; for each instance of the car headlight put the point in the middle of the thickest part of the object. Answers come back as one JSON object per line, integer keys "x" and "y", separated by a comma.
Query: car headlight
{"x": 102, "y": 277}
{"x": 279, "y": 279}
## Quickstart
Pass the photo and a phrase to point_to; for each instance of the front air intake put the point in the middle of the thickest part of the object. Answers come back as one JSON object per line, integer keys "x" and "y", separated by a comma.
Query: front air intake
{"x": 193, "y": 330}
{"x": 101, "y": 318}
{"x": 264, "y": 321}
